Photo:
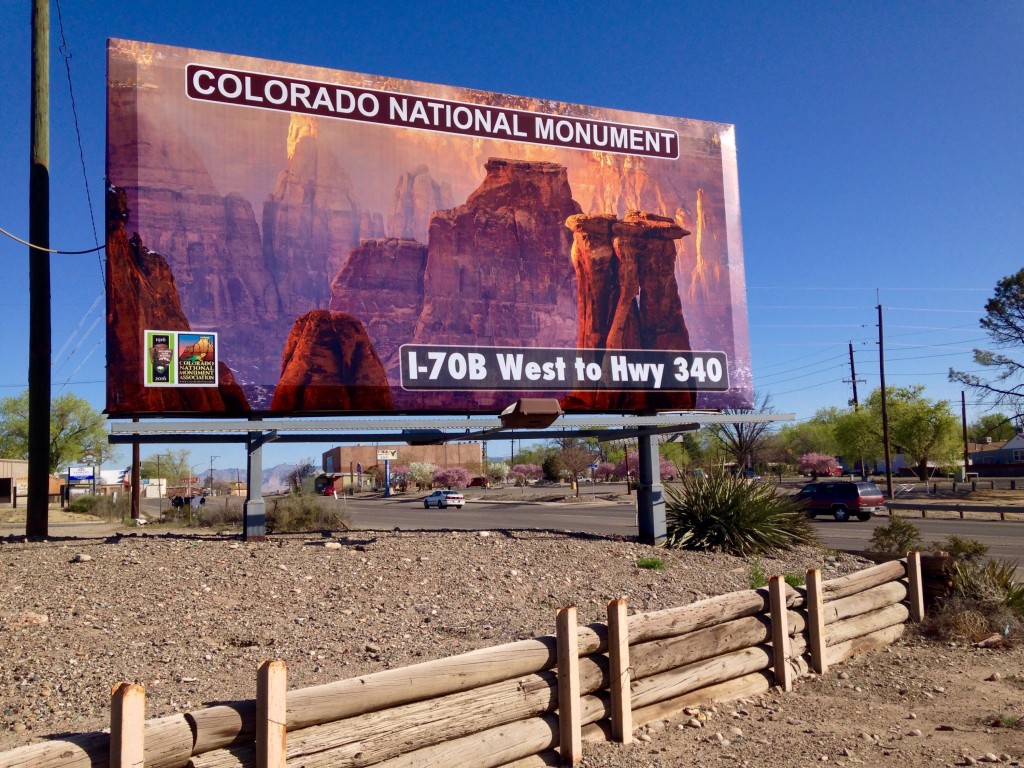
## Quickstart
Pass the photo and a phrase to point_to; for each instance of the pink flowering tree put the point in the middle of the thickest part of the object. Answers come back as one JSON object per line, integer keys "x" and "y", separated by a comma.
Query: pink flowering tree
{"x": 817, "y": 464}
{"x": 605, "y": 471}
{"x": 523, "y": 473}
{"x": 453, "y": 477}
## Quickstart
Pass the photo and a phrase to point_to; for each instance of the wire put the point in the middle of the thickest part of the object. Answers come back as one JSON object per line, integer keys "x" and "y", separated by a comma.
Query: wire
{"x": 66, "y": 52}
{"x": 50, "y": 250}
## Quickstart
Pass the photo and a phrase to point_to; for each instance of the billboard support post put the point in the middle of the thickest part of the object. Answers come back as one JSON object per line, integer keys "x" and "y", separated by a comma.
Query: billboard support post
{"x": 254, "y": 513}
{"x": 650, "y": 500}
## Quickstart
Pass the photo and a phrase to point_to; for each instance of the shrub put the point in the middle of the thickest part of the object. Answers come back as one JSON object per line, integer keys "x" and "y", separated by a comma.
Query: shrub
{"x": 986, "y": 600}
{"x": 991, "y": 583}
{"x": 898, "y": 537}
{"x": 651, "y": 563}
{"x": 84, "y": 505}
{"x": 961, "y": 548}
{"x": 756, "y": 575}
{"x": 301, "y": 513}
{"x": 725, "y": 513}
{"x": 794, "y": 579}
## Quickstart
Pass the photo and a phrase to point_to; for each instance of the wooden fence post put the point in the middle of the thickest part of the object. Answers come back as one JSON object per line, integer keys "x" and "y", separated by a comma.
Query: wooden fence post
{"x": 816, "y": 621}
{"x": 127, "y": 725}
{"x": 570, "y": 733}
{"x": 780, "y": 632}
{"x": 915, "y": 584}
{"x": 618, "y": 663}
{"x": 271, "y": 713}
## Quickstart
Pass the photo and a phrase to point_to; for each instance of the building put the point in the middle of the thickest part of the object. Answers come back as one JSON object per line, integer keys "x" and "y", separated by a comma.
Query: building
{"x": 996, "y": 459}
{"x": 13, "y": 480}
{"x": 350, "y": 461}
{"x": 14, "y": 483}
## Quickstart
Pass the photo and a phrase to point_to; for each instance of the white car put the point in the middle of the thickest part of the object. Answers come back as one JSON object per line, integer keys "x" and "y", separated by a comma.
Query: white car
{"x": 444, "y": 499}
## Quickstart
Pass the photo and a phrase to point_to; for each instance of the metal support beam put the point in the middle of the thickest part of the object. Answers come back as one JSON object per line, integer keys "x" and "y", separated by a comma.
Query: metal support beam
{"x": 254, "y": 511}
{"x": 650, "y": 500}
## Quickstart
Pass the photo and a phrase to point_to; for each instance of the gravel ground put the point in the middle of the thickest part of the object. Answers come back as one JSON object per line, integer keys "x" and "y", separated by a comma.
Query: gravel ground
{"x": 191, "y": 616}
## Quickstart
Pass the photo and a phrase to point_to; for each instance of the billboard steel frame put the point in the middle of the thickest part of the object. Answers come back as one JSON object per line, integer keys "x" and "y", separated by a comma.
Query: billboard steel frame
{"x": 256, "y": 433}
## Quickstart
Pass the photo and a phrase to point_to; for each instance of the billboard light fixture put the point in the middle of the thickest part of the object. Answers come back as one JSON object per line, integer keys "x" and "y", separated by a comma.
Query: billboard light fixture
{"x": 531, "y": 413}
{"x": 425, "y": 436}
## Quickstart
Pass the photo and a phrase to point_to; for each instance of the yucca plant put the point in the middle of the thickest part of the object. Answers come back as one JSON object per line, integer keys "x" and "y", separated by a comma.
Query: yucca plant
{"x": 991, "y": 583}
{"x": 724, "y": 513}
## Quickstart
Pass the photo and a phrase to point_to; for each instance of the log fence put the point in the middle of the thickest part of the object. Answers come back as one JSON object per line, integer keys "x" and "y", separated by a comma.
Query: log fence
{"x": 523, "y": 704}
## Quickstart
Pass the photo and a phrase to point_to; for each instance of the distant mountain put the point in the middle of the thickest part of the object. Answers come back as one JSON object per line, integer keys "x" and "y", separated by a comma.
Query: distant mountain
{"x": 274, "y": 478}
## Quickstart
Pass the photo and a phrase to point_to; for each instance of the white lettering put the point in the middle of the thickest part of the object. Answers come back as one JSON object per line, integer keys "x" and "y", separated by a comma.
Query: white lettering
{"x": 618, "y": 368}
{"x": 206, "y": 74}
{"x": 545, "y": 127}
{"x": 322, "y": 99}
{"x": 374, "y": 105}
{"x": 282, "y": 92}
{"x": 511, "y": 367}
{"x": 477, "y": 369}
{"x": 234, "y": 80}
{"x": 300, "y": 92}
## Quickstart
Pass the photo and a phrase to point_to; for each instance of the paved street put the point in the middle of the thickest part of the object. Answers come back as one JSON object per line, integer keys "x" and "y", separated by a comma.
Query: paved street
{"x": 1005, "y": 539}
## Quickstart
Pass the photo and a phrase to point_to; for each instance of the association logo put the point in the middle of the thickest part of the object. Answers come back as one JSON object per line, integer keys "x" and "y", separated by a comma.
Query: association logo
{"x": 180, "y": 359}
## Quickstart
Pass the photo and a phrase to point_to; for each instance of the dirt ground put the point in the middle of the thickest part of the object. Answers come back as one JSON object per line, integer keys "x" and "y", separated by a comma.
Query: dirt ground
{"x": 191, "y": 615}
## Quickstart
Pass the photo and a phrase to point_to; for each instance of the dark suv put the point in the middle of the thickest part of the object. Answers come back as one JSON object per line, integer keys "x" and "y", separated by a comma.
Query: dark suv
{"x": 841, "y": 499}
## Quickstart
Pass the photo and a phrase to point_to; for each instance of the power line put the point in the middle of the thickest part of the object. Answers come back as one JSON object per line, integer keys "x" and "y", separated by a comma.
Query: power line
{"x": 49, "y": 250}
{"x": 66, "y": 52}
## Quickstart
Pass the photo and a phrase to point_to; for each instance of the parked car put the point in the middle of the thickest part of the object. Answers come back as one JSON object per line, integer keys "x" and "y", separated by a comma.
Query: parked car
{"x": 444, "y": 499}
{"x": 841, "y": 498}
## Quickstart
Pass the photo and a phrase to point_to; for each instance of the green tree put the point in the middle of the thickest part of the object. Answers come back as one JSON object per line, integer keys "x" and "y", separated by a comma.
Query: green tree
{"x": 997, "y": 426}
{"x": 171, "y": 465}
{"x": 816, "y": 435}
{"x": 75, "y": 427}
{"x": 922, "y": 429}
{"x": 1004, "y": 324}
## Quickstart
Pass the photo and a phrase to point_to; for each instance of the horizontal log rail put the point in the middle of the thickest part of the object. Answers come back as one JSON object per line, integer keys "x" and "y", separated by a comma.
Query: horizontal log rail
{"x": 924, "y": 507}
{"x": 522, "y": 703}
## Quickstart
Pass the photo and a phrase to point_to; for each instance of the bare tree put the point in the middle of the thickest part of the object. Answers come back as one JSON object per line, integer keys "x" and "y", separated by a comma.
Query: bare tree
{"x": 576, "y": 460}
{"x": 742, "y": 440}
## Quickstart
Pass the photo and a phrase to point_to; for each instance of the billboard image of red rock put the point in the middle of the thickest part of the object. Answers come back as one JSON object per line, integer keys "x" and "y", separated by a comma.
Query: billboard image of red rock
{"x": 363, "y": 244}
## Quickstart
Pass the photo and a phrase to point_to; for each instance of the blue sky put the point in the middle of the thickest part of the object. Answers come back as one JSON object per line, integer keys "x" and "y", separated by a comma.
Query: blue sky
{"x": 879, "y": 151}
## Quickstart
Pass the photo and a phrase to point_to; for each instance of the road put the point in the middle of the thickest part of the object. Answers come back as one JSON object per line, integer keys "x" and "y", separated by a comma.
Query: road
{"x": 1005, "y": 539}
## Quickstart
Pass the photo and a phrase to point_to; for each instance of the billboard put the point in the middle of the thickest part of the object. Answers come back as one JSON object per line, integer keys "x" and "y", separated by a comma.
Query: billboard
{"x": 287, "y": 239}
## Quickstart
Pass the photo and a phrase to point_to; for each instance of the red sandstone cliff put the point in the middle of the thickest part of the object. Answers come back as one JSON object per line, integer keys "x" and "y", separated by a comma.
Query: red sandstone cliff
{"x": 330, "y": 365}
{"x": 382, "y": 285}
{"x": 628, "y": 298}
{"x": 310, "y": 222}
{"x": 417, "y": 195}
{"x": 142, "y": 294}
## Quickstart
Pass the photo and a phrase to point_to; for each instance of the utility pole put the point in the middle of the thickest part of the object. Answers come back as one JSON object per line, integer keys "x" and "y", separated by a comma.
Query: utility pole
{"x": 37, "y": 515}
{"x": 885, "y": 414}
{"x": 854, "y": 380}
{"x": 963, "y": 423}
{"x": 211, "y": 473}
{"x": 856, "y": 406}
